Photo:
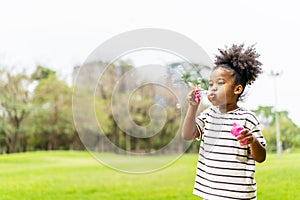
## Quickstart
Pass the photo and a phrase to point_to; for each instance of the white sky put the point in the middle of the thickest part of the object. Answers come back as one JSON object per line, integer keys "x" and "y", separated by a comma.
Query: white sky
{"x": 61, "y": 34}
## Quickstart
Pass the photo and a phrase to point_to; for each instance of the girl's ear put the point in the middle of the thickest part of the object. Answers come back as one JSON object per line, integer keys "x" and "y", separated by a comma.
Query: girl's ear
{"x": 238, "y": 89}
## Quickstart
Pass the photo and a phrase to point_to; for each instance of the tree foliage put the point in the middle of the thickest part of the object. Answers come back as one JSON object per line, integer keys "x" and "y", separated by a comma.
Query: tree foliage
{"x": 36, "y": 113}
{"x": 35, "y": 119}
{"x": 52, "y": 99}
{"x": 289, "y": 131}
{"x": 15, "y": 107}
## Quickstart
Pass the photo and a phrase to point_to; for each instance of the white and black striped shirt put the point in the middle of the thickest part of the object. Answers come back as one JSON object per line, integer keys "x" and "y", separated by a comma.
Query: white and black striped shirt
{"x": 225, "y": 169}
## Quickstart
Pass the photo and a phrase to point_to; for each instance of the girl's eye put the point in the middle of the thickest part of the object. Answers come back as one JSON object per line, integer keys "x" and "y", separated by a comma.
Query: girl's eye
{"x": 221, "y": 82}
{"x": 210, "y": 84}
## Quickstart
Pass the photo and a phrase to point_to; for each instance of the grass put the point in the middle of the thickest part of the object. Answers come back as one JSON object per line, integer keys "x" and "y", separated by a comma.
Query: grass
{"x": 63, "y": 175}
{"x": 279, "y": 178}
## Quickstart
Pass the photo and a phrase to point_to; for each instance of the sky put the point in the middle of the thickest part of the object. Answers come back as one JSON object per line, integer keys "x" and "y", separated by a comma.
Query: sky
{"x": 62, "y": 34}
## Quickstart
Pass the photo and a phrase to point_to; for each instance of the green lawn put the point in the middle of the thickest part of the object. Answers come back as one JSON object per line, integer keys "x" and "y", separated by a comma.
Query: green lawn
{"x": 77, "y": 175}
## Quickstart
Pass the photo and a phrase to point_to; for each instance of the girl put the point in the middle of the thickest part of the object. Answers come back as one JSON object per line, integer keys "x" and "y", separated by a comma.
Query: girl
{"x": 226, "y": 163}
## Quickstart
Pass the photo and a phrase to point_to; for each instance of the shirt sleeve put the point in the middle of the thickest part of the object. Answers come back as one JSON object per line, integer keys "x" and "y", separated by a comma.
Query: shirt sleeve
{"x": 253, "y": 124}
{"x": 200, "y": 122}
{"x": 256, "y": 131}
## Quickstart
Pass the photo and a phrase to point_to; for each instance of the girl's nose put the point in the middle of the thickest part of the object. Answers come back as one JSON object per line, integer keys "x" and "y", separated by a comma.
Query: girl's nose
{"x": 213, "y": 87}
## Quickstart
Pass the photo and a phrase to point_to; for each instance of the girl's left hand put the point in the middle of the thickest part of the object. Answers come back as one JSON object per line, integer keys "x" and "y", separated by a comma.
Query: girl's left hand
{"x": 246, "y": 137}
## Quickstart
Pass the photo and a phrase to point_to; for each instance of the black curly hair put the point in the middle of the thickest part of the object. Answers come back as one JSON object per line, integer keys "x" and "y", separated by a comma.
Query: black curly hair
{"x": 242, "y": 61}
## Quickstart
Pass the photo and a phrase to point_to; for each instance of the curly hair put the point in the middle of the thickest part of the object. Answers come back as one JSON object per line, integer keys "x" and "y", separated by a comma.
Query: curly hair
{"x": 243, "y": 61}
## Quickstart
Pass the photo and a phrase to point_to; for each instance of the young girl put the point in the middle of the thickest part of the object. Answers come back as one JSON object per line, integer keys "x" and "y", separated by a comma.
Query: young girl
{"x": 226, "y": 163}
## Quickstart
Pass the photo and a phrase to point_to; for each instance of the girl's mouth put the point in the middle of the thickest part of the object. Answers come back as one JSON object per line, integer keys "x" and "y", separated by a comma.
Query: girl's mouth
{"x": 212, "y": 95}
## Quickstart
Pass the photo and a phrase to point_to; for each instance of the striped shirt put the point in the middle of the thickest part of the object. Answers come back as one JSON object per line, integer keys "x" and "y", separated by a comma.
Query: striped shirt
{"x": 225, "y": 170}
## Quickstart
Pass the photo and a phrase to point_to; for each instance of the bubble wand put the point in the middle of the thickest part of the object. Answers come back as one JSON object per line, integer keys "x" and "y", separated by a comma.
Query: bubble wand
{"x": 197, "y": 94}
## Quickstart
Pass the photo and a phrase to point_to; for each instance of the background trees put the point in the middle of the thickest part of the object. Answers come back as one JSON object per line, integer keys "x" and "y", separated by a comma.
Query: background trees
{"x": 15, "y": 107}
{"x": 290, "y": 132}
{"x": 51, "y": 118}
{"x": 36, "y": 114}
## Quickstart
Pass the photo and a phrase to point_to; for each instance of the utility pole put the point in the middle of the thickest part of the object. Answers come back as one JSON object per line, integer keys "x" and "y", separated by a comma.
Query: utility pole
{"x": 275, "y": 75}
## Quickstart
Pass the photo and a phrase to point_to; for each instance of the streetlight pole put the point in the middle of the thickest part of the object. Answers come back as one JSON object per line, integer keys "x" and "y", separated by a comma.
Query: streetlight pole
{"x": 278, "y": 141}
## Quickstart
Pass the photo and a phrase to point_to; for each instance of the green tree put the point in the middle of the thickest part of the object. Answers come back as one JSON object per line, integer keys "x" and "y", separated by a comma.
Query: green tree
{"x": 288, "y": 129}
{"x": 103, "y": 99}
{"x": 52, "y": 116}
{"x": 41, "y": 73}
{"x": 14, "y": 98}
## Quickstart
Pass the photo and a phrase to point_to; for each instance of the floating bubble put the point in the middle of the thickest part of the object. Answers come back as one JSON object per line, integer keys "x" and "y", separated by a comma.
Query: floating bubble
{"x": 129, "y": 98}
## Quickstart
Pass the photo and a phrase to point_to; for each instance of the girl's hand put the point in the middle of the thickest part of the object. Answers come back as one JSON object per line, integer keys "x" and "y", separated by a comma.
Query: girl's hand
{"x": 191, "y": 98}
{"x": 257, "y": 150}
{"x": 246, "y": 137}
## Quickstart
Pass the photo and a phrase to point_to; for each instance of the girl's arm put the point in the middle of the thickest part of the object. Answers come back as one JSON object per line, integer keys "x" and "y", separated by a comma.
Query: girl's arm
{"x": 258, "y": 151}
{"x": 189, "y": 130}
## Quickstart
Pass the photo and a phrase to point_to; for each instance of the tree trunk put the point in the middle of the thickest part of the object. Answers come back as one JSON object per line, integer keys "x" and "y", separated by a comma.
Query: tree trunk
{"x": 137, "y": 145}
{"x": 149, "y": 145}
{"x": 162, "y": 136}
{"x": 128, "y": 142}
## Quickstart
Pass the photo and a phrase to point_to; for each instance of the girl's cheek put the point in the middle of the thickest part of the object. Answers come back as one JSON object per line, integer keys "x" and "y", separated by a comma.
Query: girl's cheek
{"x": 209, "y": 95}
{"x": 209, "y": 98}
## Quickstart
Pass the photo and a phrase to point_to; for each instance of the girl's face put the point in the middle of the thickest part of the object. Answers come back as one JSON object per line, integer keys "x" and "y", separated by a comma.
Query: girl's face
{"x": 222, "y": 91}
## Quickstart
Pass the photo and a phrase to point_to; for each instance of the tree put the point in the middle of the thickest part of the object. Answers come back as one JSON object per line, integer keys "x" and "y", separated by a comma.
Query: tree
{"x": 103, "y": 100}
{"x": 289, "y": 130}
{"x": 41, "y": 73}
{"x": 52, "y": 117}
{"x": 15, "y": 106}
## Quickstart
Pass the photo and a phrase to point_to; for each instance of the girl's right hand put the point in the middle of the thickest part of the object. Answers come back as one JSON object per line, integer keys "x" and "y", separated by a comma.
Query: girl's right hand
{"x": 191, "y": 98}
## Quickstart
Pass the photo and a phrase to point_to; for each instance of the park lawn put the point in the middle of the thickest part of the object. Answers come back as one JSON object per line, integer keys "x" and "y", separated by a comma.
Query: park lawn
{"x": 61, "y": 175}
{"x": 279, "y": 177}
